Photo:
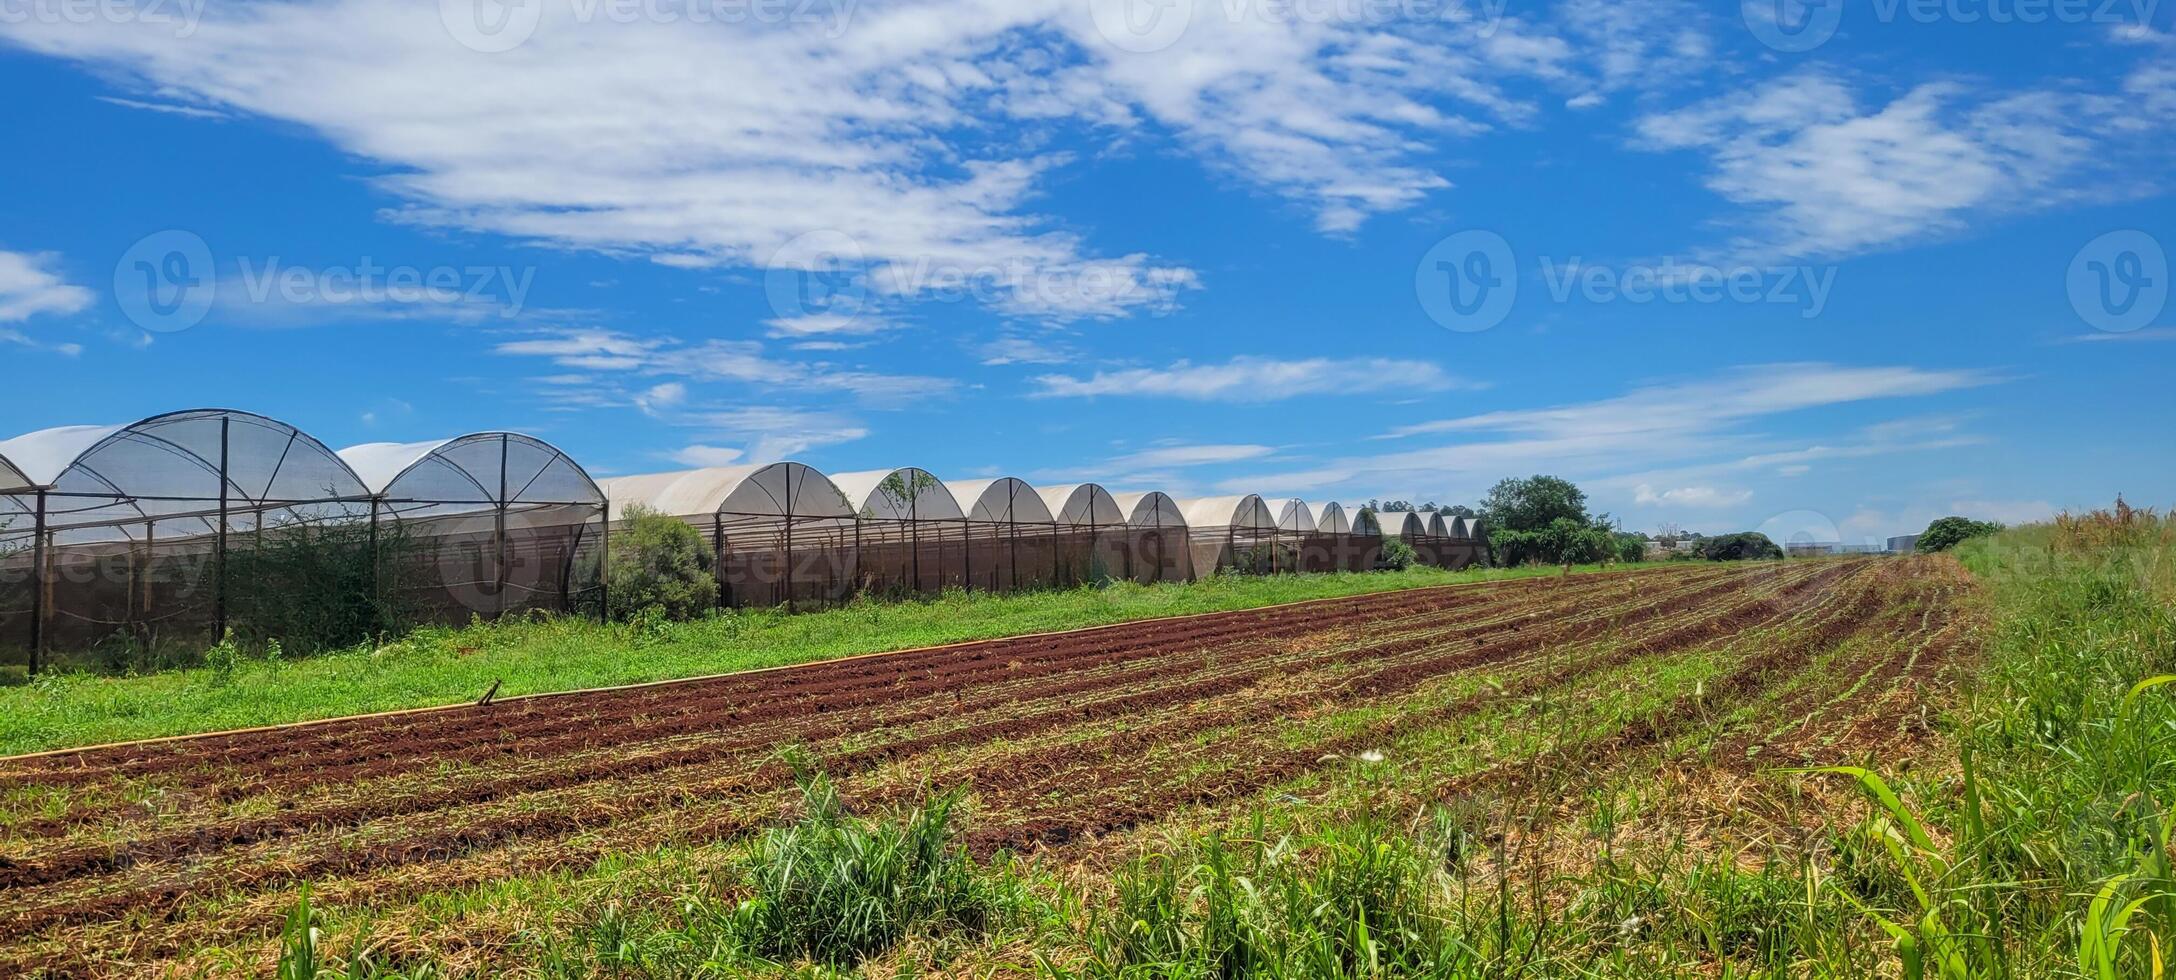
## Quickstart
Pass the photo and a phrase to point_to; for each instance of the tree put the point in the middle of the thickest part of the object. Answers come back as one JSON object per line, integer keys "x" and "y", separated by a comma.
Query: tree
{"x": 1631, "y": 547}
{"x": 1543, "y": 519}
{"x": 1742, "y": 546}
{"x": 659, "y": 563}
{"x": 1461, "y": 510}
{"x": 1530, "y": 504}
{"x": 1948, "y": 532}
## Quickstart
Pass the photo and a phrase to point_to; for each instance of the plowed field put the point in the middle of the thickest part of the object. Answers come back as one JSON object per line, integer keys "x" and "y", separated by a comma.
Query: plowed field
{"x": 125, "y": 861}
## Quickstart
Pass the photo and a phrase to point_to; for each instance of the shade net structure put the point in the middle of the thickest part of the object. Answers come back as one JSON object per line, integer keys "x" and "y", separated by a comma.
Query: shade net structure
{"x": 483, "y": 525}
{"x": 1342, "y": 548}
{"x": 1013, "y": 540}
{"x": 1092, "y": 534}
{"x": 780, "y": 534}
{"x": 168, "y": 532}
{"x": 1155, "y": 540}
{"x": 1232, "y": 535}
{"x": 1300, "y": 547}
{"x": 912, "y": 536}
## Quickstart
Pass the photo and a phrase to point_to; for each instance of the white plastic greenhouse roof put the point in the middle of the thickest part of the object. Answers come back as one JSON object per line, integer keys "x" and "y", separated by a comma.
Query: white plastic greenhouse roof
{"x": 774, "y": 490}
{"x": 1292, "y": 514}
{"x": 1083, "y": 505}
{"x": 1151, "y": 509}
{"x": 1239, "y": 512}
{"x": 37, "y": 459}
{"x": 1005, "y": 500}
{"x": 1330, "y": 517}
{"x": 913, "y": 496}
{"x": 1401, "y": 523}
{"x": 468, "y": 467}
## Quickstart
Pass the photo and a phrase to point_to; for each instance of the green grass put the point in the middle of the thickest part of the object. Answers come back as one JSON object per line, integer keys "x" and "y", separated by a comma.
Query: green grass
{"x": 450, "y": 666}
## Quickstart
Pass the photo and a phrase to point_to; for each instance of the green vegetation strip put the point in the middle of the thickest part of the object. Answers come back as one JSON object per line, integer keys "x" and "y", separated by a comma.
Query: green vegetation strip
{"x": 452, "y": 666}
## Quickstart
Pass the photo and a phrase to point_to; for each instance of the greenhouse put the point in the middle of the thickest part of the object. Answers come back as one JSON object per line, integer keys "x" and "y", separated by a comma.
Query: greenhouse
{"x": 1335, "y": 545}
{"x": 483, "y": 525}
{"x": 1012, "y": 537}
{"x": 1156, "y": 537}
{"x": 913, "y": 537}
{"x": 780, "y": 534}
{"x": 170, "y": 531}
{"x": 1091, "y": 533}
{"x": 1231, "y": 534}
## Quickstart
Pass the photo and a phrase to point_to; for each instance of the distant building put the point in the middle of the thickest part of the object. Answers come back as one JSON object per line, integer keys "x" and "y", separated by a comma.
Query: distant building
{"x": 1903, "y": 544}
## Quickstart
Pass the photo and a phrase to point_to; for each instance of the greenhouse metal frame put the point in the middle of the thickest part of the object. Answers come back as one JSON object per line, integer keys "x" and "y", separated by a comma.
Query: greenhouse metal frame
{"x": 911, "y": 535}
{"x": 1013, "y": 538}
{"x": 485, "y": 524}
{"x": 184, "y": 526}
{"x": 1157, "y": 538}
{"x": 780, "y": 533}
{"x": 1090, "y": 535}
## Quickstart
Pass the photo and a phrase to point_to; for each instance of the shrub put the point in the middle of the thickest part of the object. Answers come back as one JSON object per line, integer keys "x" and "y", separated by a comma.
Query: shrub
{"x": 659, "y": 566}
{"x": 1742, "y": 546}
{"x": 1947, "y": 532}
{"x": 1397, "y": 556}
{"x": 837, "y": 889}
{"x": 1562, "y": 541}
{"x": 1631, "y": 548}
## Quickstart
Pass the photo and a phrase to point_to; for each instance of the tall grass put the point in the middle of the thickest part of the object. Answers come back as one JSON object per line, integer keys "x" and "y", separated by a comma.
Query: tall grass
{"x": 2049, "y": 856}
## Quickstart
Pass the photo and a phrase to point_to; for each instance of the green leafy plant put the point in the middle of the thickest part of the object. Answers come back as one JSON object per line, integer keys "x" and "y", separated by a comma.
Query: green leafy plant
{"x": 836, "y": 888}
{"x": 1948, "y": 532}
{"x": 1742, "y": 546}
{"x": 659, "y": 563}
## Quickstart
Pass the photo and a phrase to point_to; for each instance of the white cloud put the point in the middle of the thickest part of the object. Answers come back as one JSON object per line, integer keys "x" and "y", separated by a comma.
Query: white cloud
{"x": 1827, "y": 175}
{"x": 29, "y": 287}
{"x": 603, "y": 353}
{"x": 774, "y": 433}
{"x": 1022, "y": 350}
{"x": 1255, "y": 379}
{"x": 702, "y": 456}
{"x": 1672, "y": 434}
{"x": 1164, "y": 456}
{"x": 1655, "y": 414}
{"x": 1707, "y": 497}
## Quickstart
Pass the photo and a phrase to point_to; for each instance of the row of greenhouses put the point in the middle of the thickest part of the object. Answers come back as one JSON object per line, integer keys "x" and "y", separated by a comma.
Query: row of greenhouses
{"x": 178, "y": 529}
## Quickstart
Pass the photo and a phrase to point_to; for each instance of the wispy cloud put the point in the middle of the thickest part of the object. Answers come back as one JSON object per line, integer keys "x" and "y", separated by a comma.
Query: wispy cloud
{"x": 1828, "y": 175}
{"x": 29, "y": 287}
{"x": 1256, "y": 379}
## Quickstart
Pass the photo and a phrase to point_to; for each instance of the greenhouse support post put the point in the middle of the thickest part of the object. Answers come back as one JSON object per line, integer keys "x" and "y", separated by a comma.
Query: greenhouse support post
{"x": 604, "y": 567}
{"x": 219, "y": 555}
{"x": 37, "y": 586}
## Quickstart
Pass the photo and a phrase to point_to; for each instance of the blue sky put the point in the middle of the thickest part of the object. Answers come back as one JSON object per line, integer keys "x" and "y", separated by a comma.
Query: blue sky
{"x": 1898, "y": 260}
